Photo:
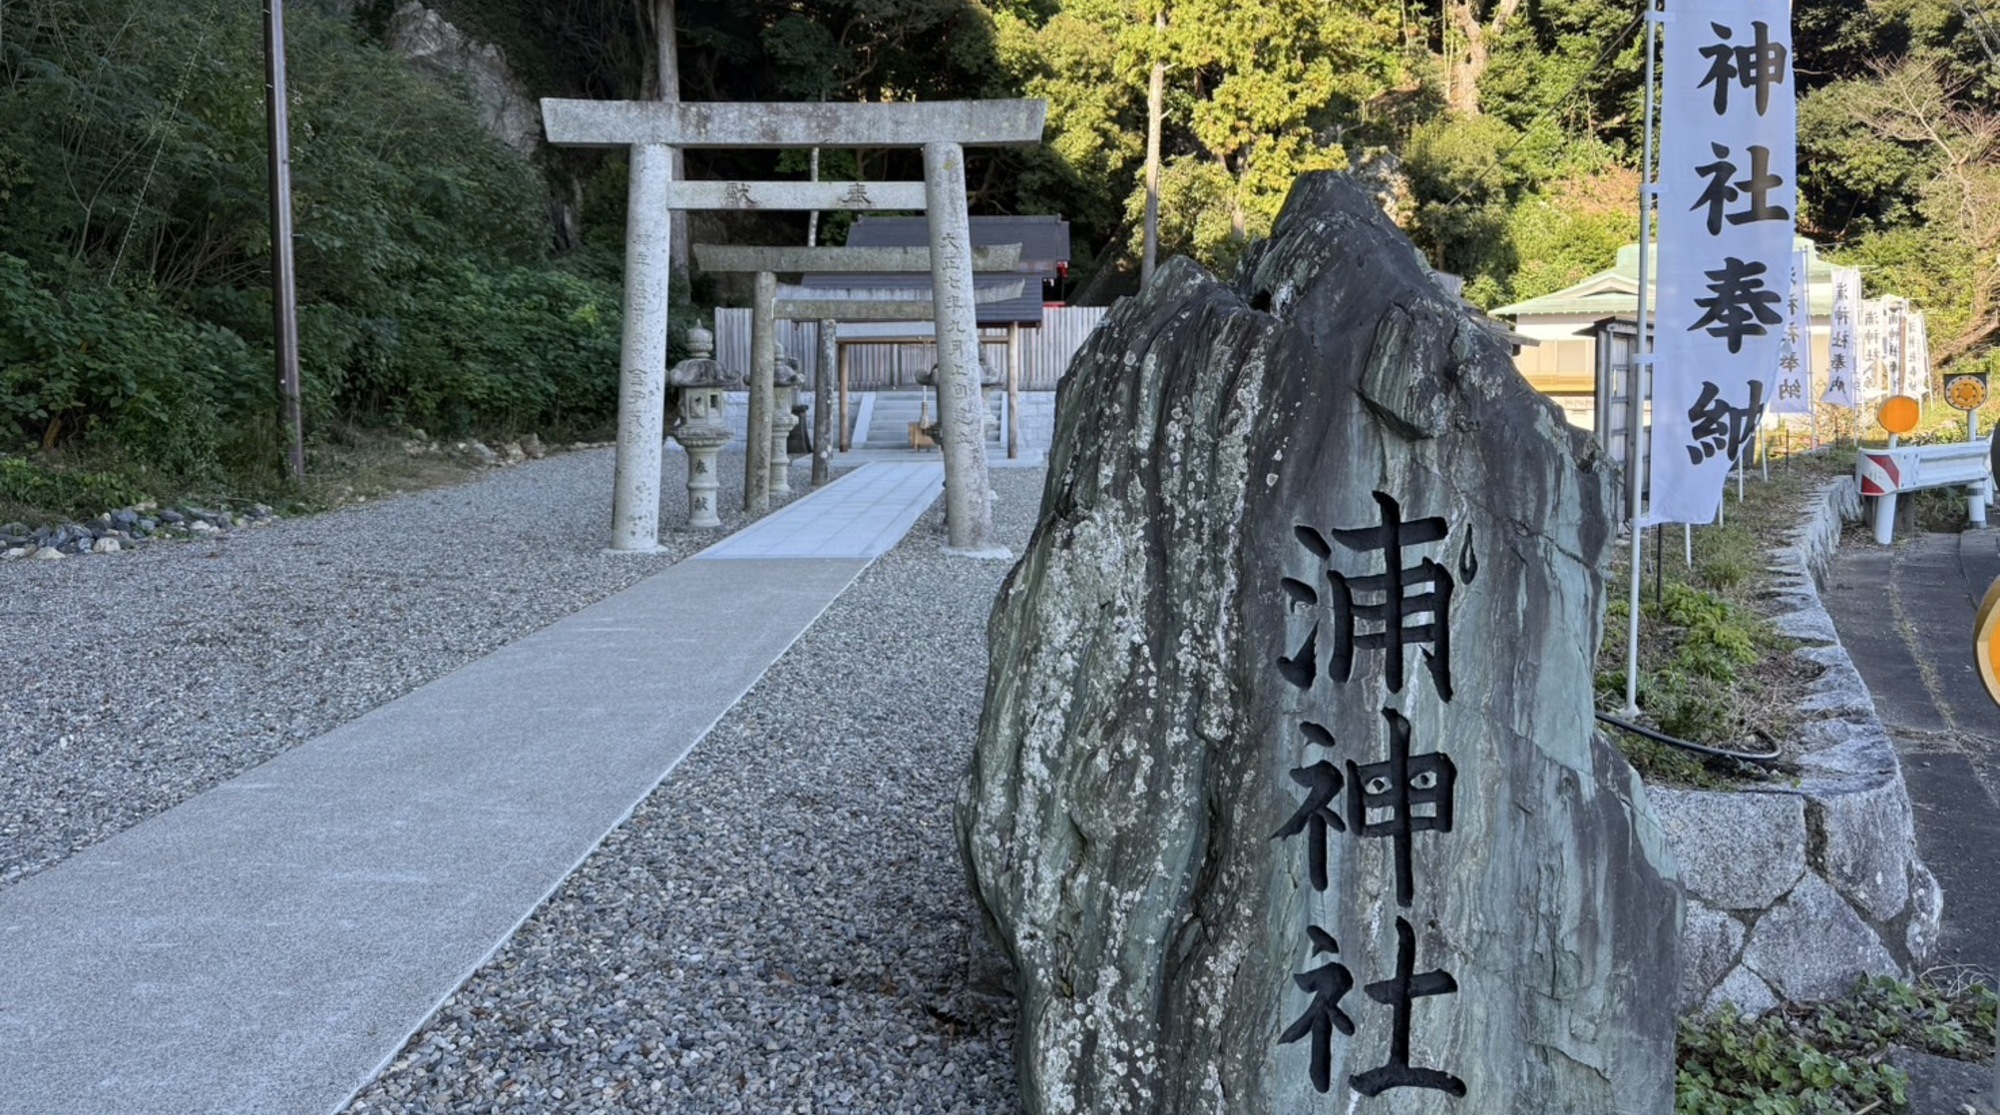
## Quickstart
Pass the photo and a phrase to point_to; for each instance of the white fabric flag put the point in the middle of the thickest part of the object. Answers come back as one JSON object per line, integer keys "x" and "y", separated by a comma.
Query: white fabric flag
{"x": 1895, "y": 323}
{"x": 1841, "y": 348}
{"x": 1919, "y": 378}
{"x": 1873, "y": 384}
{"x": 1728, "y": 149}
{"x": 1792, "y": 391}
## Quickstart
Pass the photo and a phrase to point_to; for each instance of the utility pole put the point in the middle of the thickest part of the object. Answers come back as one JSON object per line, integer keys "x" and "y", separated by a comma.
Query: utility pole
{"x": 1155, "y": 105}
{"x": 284, "y": 283}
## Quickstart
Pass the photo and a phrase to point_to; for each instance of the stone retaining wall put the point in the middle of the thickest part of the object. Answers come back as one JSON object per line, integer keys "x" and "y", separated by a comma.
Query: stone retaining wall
{"x": 1796, "y": 888}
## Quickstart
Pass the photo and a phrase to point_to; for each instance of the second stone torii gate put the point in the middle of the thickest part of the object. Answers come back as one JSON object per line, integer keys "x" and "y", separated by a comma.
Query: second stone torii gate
{"x": 651, "y": 130}
{"x": 765, "y": 263}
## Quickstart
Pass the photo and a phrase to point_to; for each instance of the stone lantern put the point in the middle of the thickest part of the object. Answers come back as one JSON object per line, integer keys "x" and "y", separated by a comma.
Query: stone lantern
{"x": 699, "y": 428}
{"x": 785, "y": 380}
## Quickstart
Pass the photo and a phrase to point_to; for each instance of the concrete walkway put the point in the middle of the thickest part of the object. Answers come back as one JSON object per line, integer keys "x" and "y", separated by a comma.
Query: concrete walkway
{"x": 269, "y": 945}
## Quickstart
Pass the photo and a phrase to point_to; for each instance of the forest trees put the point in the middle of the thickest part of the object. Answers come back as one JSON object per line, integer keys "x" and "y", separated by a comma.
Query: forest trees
{"x": 135, "y": 321}
{"x": 1479, "y": 121}
{"x": 1257, "y": 92}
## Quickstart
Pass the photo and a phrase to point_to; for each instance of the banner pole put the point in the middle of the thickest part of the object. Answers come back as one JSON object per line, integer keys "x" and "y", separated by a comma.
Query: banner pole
{"x": 1636, "y": 468}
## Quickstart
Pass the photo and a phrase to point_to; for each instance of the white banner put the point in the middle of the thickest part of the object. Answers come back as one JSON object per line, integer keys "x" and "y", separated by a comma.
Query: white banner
{"x": 1791, "y": 393}
{"x": 1895, "y": 326}
{"x": 1728, "y": 148}
{"x": 1873, "y": 383}
{"x": 1919, "y": 377}
{"x": 1842, "y": 351}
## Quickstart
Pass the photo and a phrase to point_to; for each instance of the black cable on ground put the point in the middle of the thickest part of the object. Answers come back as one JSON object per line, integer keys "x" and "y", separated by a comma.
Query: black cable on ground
{"x": 1697, "y": 748}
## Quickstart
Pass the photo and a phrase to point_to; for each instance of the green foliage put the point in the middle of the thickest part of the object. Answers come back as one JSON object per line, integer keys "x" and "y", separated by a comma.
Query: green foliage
{"x": 527, "y": 348}
{"x": 78, "y": 360}
{"x": 1713, "y": 637}
{"x": 1712, "y": 669}
{"x": 1827, "y": 1058}
{"x": 1572, "y": 228}
{"x": 40, "y": 490}
{"x": 135, "y": 318}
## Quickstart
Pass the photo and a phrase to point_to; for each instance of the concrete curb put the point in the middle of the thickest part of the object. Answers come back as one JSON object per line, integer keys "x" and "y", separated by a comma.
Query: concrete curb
{"x": 1795, "y": 890}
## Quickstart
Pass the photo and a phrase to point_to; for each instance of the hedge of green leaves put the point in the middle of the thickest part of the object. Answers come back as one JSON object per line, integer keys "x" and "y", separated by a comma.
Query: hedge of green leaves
{"x": 135, "y": 318}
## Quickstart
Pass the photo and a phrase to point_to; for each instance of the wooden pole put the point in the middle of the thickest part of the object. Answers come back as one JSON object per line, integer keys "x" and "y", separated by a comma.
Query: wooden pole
{"x": 846, "y": 439}
{"x": 284, "y": 282}
{"x": 1013, "y": 390}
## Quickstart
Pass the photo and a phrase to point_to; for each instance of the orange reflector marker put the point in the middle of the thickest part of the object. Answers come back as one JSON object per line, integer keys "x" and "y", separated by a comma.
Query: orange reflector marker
{"x": 1986, "y": 639}
{"x": 1899, "y": 414}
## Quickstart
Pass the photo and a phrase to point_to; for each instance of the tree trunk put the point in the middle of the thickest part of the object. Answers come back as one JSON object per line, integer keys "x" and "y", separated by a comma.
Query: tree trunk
{"x": 1463, "y": 72}
{"x": 1155, "y": 98}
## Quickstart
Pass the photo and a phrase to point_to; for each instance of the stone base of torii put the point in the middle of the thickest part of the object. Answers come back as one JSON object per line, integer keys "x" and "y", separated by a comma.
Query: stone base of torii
{"x": 651, "y": 130}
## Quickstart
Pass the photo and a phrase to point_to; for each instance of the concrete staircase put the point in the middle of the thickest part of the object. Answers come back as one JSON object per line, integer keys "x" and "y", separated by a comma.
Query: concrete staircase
{"x": 884, "y": 422}
{"x": 880, "y": 420}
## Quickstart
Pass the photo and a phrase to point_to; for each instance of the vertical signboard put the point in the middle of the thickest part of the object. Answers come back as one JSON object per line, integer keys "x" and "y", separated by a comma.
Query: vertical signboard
{"x": 1729, "y": 138}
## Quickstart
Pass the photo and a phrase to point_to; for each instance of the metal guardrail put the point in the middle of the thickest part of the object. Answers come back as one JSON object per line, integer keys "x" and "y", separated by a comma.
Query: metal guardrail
{"x": 1886, "y": 473}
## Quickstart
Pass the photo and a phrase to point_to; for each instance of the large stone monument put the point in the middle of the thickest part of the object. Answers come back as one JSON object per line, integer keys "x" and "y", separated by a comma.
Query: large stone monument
{"x": 1287, "y": 797}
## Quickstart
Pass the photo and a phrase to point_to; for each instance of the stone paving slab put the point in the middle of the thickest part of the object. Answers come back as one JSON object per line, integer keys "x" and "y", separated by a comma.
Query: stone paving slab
{"x": 270, "y": 944}
{"x": 858, "y": 518}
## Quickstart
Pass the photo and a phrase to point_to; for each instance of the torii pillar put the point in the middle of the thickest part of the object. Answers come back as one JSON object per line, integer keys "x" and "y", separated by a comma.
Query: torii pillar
{"x": 651, "y": 130}
{"x": 766, "y": 262}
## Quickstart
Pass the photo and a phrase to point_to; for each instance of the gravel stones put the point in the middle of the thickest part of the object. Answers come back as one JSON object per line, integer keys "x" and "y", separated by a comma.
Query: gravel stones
{"x": 160, "y": 673}
{"x": 782, "y": 926}
{"x": 125, "y": 529}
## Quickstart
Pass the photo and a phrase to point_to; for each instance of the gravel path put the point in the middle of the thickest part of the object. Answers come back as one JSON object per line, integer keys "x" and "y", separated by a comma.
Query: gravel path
{"x": 783, "y": 926}
{"x": 134, "y": 681}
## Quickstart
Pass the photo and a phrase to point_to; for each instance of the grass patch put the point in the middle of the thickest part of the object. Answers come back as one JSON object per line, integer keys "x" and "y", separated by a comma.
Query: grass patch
{"x": 1828, "y": 1057}
{"x": 354, "y": 465}
{"x": 1712, "y": 668}
{"x": 46, "y": 489}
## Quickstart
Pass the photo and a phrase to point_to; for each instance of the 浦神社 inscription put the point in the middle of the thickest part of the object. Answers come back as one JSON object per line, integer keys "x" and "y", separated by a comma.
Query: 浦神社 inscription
{"x": 1286, "y": 797}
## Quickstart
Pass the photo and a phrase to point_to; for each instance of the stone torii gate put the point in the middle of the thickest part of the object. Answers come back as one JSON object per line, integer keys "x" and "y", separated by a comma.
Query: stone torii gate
{"x": 740, "y": 196}
{"x": 766, "y": 263}
{"x": 651, "y": 130}
{"x": 828, "y": 307}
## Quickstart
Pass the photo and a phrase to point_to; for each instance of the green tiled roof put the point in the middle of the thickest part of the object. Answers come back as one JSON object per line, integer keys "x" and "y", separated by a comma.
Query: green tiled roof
{"x": 1614, "y": 292}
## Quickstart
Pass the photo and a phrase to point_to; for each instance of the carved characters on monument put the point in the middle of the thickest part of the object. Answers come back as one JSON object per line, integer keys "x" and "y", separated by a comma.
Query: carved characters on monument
{"x": 1397, "y": 797}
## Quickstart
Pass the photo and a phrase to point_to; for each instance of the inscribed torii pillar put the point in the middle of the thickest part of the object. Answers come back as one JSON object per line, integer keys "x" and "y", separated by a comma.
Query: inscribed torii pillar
{"x": 652, "y": 129}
